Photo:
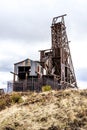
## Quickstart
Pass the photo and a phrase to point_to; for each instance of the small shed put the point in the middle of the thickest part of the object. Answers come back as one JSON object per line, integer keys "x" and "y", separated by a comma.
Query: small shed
{"x": 26, "y": 74}
{"x": 25, "y": 69}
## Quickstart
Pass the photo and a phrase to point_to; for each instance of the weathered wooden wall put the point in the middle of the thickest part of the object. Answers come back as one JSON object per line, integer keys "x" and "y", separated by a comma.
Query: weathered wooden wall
{"x": 34, "y": 84}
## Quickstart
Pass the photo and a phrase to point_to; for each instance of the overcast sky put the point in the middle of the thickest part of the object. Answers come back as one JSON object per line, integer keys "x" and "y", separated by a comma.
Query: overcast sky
{"x": 25, "y": 29}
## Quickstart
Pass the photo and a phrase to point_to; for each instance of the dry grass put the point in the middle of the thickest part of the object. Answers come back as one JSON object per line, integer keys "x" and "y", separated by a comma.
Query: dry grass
{"x": 53, "y": 110}
{"x": 6, "y": 100}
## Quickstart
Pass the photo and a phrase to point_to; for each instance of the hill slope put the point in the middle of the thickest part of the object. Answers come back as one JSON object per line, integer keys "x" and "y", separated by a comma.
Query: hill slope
{"x": 54, "y": 110}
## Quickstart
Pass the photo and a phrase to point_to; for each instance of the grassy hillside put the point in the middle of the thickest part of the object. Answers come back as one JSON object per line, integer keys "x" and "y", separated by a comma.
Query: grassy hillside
{"x": 53, "y": 110}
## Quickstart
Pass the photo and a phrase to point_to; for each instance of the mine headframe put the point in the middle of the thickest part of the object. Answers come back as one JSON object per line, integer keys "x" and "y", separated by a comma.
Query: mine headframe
{"x": 61, "y": 57}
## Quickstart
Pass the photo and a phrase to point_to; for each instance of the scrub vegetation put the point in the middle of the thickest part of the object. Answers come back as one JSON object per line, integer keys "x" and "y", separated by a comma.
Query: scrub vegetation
{"x": 49, "y": 110}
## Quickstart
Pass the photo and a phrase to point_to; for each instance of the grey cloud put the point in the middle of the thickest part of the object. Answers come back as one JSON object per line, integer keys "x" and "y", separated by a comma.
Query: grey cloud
{"x": 31, "y": 22}
{"x": 28, "y": 25}
{"x": 6, "y": 63}
{"x": 6, "y": 66}
{"x": 28, "y": 32}
{"x": 82, "y": 74}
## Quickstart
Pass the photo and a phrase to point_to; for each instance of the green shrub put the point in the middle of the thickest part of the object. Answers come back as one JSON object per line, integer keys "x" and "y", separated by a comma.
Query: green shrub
{"x": 16, "y": 98}
{"x": 46, "y": 88}
{"x": 2, "y": 104}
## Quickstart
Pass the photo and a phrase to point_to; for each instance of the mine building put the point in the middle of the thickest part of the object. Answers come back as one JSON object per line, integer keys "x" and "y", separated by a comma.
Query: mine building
{"x": 55, "y": 67}
{"x": 26, "y": 72}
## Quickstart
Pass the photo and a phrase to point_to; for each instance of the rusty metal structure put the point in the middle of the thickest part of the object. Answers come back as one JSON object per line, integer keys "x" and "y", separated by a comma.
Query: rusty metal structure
{"x": 55, "y": 67}
{"x": 2, "y": 91}
{"x": 57, "y": 60}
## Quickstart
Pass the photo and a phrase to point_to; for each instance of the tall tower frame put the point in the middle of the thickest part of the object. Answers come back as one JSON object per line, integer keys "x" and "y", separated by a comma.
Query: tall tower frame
{"x": 62, "y": 60}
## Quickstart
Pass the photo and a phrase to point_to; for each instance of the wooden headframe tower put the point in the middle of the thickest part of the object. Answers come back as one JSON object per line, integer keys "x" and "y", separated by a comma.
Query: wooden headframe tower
{"x": 61, "y": 57}
{"x": 55, "y": 67}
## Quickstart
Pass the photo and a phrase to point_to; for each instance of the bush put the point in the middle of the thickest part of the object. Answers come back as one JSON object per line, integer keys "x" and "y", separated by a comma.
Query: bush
{"x": 2, "y": 104}
{"x": 16, "y": 98}
{"x": 46, "y": 88}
